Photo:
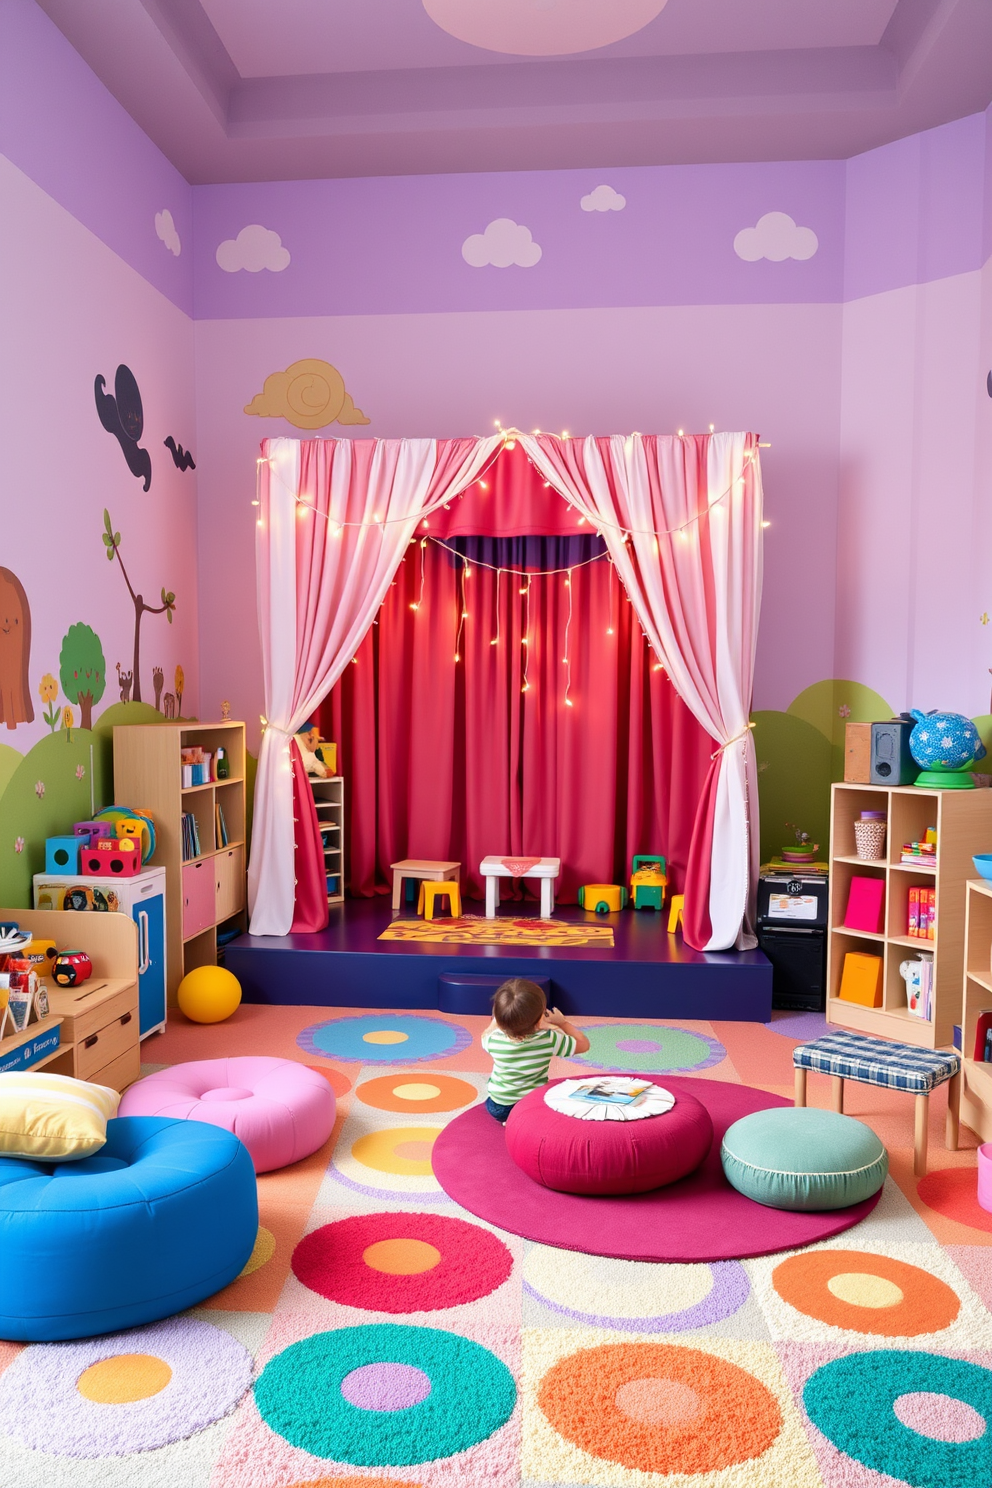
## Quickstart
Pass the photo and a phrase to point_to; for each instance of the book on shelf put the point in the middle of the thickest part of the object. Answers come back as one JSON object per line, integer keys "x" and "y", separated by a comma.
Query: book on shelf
{"x": 220, "y": 826}
{"x": 191, "y": 836}
{"x": 922, "y": 914}
{"x": 918, "y": 976}
{"x": 197, "y": 765}
{"x": 983, "y": 1037}
{"x": 861, "y": 979}
{"x": 865, "y": 904}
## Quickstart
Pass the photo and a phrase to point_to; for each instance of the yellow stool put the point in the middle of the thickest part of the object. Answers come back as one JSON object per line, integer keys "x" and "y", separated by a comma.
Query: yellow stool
{"x": 445, "y": 889}
{"x": 675, "y": 913}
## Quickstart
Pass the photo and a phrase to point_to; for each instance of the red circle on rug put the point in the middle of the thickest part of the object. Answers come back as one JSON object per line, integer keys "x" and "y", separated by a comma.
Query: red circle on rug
{"x": 338, "y": 1082}
{"x": 660, "y": 1407}
{"x": 401, "y": 1262}
{"x": 416, "y": 1093}
{"x": 700, "y": 1218}
{"x": 953, "y": 1192}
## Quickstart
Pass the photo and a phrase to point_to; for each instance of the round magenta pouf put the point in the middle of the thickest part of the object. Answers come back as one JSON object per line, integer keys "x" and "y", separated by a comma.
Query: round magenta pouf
{"x": 281, "y": 1110}
{"x": 607, "y": 1157}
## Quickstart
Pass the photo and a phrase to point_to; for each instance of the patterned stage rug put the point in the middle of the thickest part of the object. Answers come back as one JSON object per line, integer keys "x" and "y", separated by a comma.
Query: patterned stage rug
{"x": 477, "y": 930}
{"x": 381, "y": 1336}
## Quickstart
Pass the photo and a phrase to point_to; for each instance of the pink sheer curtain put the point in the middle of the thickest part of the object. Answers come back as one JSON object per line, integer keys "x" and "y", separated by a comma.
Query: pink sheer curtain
{"x": 681, "y": 517}
{"x": 335, "y": 518}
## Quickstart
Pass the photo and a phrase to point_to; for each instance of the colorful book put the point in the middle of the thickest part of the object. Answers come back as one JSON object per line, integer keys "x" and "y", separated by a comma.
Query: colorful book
{"x": 865, "y": 904}
{"x": 861, "y": 979}
{"x": 913, "y": 924}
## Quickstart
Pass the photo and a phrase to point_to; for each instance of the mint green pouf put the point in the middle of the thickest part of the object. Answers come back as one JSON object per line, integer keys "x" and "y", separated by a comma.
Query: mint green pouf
{"x": 802, "y": 1158}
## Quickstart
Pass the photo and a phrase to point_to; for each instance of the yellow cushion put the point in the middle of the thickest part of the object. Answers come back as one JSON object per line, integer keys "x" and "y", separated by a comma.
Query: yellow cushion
{"x": 52, "y": 1118}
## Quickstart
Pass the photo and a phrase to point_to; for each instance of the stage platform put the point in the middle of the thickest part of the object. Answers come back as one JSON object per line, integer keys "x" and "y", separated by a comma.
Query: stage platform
{"x": 647, "y": 974}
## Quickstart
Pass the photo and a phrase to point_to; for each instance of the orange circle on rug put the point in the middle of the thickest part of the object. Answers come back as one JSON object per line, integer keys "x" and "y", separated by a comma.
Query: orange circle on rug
{"x": 353, "y": 1483}
{"x": 401, "y": 1257}
{"x": 123, "y": 1379}
{"x": 953, "y": 1192}
{"x": 657, "y": 1407}
{"x": 338, "y": 1082}
{"x": 398, "y": 1149}
{"x": 866, "y": 1293}
{"x": 406, "y": 1093}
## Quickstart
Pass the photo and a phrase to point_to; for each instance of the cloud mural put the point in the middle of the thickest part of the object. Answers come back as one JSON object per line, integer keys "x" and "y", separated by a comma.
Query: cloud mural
{"x": 165, "y": 230}
{"x": 776, "y": 237}
{"x": 255, "y": 248}
{"x": 603, "y": 199}
{"x": 310, "y": 394}
{"x": 504, "y": 243}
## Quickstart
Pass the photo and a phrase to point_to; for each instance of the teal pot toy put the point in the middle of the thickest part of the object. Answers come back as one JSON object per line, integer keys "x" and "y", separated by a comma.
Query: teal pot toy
{"x": 945, "y": 746}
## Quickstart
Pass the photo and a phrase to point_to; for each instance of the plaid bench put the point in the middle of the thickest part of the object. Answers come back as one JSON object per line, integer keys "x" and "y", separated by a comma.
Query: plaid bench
{"x": 871, "y": 1061}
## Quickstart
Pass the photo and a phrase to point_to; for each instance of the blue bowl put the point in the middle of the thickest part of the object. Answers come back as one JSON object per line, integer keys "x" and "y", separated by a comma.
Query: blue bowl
{"x": 983, "y": 864}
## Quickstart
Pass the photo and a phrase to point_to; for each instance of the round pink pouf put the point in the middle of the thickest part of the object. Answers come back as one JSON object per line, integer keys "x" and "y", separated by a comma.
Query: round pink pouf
{"x": 279, "y": 1109}
{"x": 607, "y": 1157}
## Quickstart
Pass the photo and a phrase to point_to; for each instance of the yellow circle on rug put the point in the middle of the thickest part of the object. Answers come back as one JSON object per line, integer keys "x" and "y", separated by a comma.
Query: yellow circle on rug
{"x": 401, "y": 1257}
{"x": 416, "y": 1092}
{"x": 861, "y": 1289}
{"x": 262, "y": 1251}
{"x": 123, "y": 1379}
{"x": 385, "y": 1036}
{"x": 399, "y": 1149}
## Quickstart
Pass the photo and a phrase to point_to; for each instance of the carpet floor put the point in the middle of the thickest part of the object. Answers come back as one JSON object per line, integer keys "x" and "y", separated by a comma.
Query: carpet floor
{"x": 383, "y": 1337}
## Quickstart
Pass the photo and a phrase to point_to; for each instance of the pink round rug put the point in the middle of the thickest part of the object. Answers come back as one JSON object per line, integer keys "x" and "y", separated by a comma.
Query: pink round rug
{"x": 700, "y": 1218}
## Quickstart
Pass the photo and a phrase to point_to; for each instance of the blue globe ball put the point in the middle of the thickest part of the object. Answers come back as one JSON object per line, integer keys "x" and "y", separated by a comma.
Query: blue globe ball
{"x": 944, "y": 741}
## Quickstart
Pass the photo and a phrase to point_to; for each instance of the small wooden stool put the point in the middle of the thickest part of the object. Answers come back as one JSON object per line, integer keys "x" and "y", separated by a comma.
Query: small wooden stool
{"x": 421, "y": 868}
{"x": 871, "y": 1061}
{"x": 675, "y": 912}
{"x": 430, "y": 892}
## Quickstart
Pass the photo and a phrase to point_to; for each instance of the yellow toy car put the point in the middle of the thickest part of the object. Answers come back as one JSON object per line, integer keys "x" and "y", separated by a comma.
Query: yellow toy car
{"x": 648, "y": 881}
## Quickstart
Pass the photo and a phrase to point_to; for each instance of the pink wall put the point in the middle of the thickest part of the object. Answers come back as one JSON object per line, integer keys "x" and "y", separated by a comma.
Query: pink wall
{"x": 773, "y": 368}
{"x": 71, "y": 308}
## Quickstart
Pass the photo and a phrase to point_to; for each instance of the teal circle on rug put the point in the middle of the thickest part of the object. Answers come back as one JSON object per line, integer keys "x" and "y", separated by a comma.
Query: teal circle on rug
{"x": 385, "y": 1038}
{"x": 646, "y": 1046}
{"x": 851, "y": 1400}
{"x": 299, "y": 1395}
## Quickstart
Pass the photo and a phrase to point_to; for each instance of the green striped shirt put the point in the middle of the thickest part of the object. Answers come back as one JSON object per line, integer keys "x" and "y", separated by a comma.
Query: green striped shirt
{"x": 521, "y": 1065}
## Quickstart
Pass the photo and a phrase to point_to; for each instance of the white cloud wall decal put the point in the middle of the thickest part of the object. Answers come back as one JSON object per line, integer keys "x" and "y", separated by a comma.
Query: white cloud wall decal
{"x": 165, "y": 229}
{"x": 603, "y": 199}
{"x": 504, "y": 243}
{"x": 775, "y": 236}
{"x": 255, "y": 248}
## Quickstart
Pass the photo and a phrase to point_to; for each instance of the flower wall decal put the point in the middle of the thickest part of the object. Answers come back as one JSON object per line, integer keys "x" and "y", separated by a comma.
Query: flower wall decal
{"x": 18, "y": 844}
{"x": 39, "y": 789}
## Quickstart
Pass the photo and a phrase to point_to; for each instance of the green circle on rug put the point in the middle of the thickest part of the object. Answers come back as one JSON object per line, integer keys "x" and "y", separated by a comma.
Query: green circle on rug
{"x": 853, "y": 1401}
{"x": 649, "y": 1047}
{"x": 299, "y": 1395}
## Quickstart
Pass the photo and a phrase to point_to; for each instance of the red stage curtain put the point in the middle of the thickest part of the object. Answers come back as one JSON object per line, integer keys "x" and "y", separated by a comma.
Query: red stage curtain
{"x": 453, "y": 759}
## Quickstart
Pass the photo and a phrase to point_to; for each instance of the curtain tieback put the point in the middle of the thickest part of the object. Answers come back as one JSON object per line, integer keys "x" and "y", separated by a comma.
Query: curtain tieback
{"x": 273, "y": 728}
{"x": 744, "y": 733}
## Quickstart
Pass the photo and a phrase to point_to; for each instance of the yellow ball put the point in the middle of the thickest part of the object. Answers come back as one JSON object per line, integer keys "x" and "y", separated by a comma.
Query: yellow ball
{"x": 209, "y": 994}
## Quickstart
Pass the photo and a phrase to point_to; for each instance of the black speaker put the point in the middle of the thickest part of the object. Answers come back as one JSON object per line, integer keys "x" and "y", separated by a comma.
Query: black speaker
{"x": 891, "y": 761}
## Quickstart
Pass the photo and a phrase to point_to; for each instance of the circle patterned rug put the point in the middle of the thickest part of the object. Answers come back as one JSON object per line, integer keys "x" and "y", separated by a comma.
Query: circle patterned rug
{"x": 700, "y": 1218}
{"x": 402, "y": 1262}
{"x": 385, "y": 1395}
{"x": 414, "y": 1094}
{"x": 384, "y": 1038}
{"x": 648, "y": 1048}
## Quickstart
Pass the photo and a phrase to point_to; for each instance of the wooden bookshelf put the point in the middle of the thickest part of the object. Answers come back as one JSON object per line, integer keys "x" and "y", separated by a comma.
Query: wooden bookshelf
{"x": 328, "y": 799}
{"x": 976, "y": 1083}
{"x": 203, "y": 893}
{"x": 963, "y": 820}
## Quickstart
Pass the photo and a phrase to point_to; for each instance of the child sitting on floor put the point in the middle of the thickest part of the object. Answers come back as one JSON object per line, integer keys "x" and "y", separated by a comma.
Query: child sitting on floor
{"x": 521, "y": 1040}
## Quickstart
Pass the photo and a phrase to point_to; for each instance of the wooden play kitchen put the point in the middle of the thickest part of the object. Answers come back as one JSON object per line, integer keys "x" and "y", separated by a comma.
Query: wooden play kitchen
{"x": 98, "y": 1019}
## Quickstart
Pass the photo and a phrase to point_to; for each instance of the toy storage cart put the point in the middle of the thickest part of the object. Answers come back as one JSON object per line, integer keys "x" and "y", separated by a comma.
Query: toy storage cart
{"x": 143, "y": 898}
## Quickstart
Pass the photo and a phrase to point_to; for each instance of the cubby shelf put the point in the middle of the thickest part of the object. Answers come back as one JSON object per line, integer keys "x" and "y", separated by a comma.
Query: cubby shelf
{"x": 976, "y": 1085}
{"x": 328, "y": 798}
{"x": 963, "y": 820}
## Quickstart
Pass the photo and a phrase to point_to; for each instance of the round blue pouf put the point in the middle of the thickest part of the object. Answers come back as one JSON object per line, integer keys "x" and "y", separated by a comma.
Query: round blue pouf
{"x": 162, "y": 1217}
{"x": 385, "y": 1395}
{"x": 384, "y": 1038}
{"x": 851, "y": 1401}
{"x": 802, "y": 1158}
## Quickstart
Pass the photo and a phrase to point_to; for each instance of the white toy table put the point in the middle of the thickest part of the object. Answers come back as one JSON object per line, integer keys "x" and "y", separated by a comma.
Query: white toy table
{"x": 546, "y": 869}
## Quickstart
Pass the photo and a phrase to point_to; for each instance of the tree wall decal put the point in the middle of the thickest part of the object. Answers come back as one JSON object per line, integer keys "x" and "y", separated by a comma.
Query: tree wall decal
{"x": 82, "y": 670}
{"x": 112, "y": 542}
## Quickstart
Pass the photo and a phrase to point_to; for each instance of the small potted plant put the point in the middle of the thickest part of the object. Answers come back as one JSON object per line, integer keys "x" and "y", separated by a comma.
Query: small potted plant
{"x": 802, "y": 850}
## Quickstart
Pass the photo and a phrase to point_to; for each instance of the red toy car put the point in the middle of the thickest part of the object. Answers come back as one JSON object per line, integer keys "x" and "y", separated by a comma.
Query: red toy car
{"x": 71, "y": 967}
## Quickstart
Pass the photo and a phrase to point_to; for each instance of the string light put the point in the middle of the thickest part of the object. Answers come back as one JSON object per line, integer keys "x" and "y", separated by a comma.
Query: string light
{"x": 609, "y": 629}
{"x": 524, "y": 637}
{"x": 420, "y": 597}
{"x": 567, "y": 657}
{"x": 463, "y": 616}
{"x": 495, "y": 639}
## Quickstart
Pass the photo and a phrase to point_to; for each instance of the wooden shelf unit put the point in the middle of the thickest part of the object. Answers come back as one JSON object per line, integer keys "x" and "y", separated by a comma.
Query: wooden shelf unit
{"x": 963, "y": 820}
{"x": 328, "y": 798}
{"x": 976, "y": 1083}
{"x": 200, "y": 893}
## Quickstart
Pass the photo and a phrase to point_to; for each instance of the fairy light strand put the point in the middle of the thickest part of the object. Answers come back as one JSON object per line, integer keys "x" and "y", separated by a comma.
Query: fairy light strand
{"x": 567, "y": 658}
{"x": 525, "y": 637}
{"x": 462, "y": 612}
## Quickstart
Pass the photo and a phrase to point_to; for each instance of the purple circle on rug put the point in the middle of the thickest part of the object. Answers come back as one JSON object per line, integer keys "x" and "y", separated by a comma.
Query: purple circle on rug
{"x": 699, "y": 1218}
{"x": 385, "y": 1387}
{"x": 638, "y": 1046}
{"x": 803, "y": 1027}
{"x": 729, "y": 1292}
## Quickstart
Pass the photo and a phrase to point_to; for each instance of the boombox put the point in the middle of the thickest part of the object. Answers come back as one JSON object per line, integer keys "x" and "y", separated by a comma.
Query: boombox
{"x": 878, "y": 753}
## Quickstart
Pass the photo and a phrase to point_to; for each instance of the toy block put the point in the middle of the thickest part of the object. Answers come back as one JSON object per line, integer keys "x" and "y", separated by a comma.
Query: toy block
{"x": 92, "y": 831}
{"x": 131, "y": 828}
{"x": 62, "y": 854}
{"x": 122, "y": 861}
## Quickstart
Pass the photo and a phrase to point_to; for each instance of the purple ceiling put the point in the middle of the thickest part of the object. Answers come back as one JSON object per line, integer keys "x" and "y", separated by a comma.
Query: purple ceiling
{"x": 250, "y": 90}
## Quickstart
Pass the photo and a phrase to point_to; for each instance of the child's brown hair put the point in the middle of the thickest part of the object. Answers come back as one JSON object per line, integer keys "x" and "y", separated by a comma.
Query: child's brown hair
{"x": 518, "y": 1006}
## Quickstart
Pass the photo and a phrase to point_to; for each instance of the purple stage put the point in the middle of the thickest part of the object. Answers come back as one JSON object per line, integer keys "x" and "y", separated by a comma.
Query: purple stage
{"x": 647, "y": 974}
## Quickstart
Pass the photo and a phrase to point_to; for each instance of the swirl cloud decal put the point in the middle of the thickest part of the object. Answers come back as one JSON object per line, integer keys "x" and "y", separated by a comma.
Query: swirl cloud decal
{"x": 310, "y": 394}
